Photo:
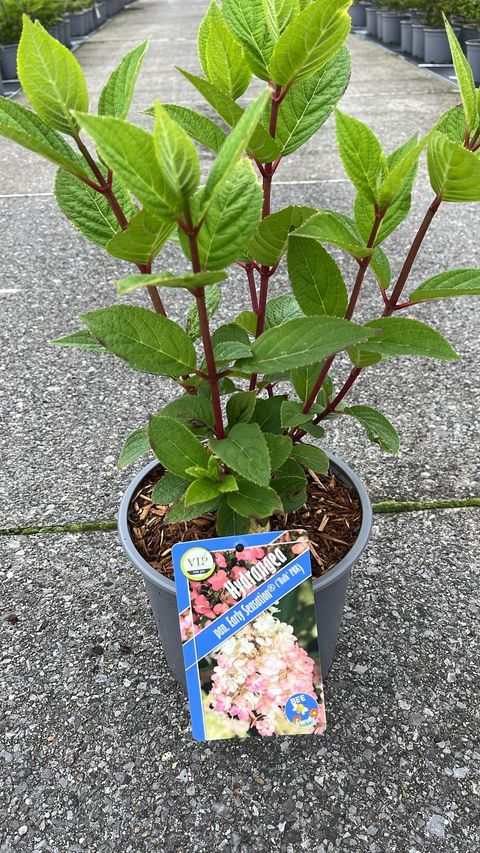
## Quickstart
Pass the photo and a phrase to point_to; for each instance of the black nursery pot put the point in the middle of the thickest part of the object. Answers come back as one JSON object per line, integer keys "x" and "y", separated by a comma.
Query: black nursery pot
{"x": 329, "y": 590}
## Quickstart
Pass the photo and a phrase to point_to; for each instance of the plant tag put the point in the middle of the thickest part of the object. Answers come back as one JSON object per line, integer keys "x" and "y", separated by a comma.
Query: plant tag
{"x": 249, "y": 635}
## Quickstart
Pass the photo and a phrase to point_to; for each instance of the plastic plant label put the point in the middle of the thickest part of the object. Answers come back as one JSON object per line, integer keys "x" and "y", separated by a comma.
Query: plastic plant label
{"x": 249, "y": 635}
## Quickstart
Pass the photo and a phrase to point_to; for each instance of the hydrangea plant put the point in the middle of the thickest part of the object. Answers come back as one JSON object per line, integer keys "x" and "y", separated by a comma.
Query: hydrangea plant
{"x": 235, "y": 441}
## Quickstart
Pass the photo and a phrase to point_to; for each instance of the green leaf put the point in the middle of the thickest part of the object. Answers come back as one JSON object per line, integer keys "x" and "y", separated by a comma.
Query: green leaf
{"x": 231, "y": 219}
{"x": 403, "y": 336}
{"x": 51, "y": 77}
{"x": 294, "y": 502}
{"x": 136, "y": 445}
{"x": 279, "y": 448}
{"x": 267, "y": 414}
{"x": 247, "y": 320}
{"x": 240, "y": 407}
{"x": 252, "y": 24}
{"x": 246, "y": 452}
{"x": 213, "y": 13}
{"x": 116, "y": 96}
{"x": 400, "y": 174}
{"x": 225, "y": 351}
{"x": 260, "y": 144}
{"x": 301, "y": 342}
{"x": 329, "y": 226}
{"x": 316, "y": 280}
{"x": 233, "y": 149}
{"x": 175, "y": 446}
{"x": 380, "y": 266}
{"x": 310, "y": 41}
{"x": 179, "y": 512}
{"x": 147, "y": 341}
{"x": 142, "y": 239}
{"x": 314, "y": 430}
{"x": 308, "y": 103}
{"x": 229, "y": 523}
{"x": 454, "y": 171}
{"x": 201, "y": 491}
{"x": 198, "y": 126}
{"x": 169, "y": 488}
{"x": 80, "y": 340}
{"x": 462, "y": 282}
{"x": 292, "y": 414}
{"x": 270, "y": 240}
{"x": 464, "y": 76}
{"x": 30, "y": 131}
{"x": 225, "y": 60}
{"x": 192, "y": 411}
{"x": 176, "y": 155}
{"x": 361, "y": 358}
{"x": 213, "y": 297}
{"x": 130, "y": 153}
{"x": 361, "y": 153}
{"x": 167, "y": 279}
{"x": 89, "y": 210}
{"x": 290, "y": 479}
{"x": 378, "y": 428}
{"x": 303, "y": 379}
{"x": 281, "y": 309}
{"x": 452, "y": 124}
{"x": 311, "y": 457}
{"x": 254, "y": 501}
{"x": 228, "y": 483}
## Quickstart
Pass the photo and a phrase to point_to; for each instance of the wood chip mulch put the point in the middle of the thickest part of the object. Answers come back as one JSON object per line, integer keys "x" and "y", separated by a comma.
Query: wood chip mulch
{"x": 332, "y": 517}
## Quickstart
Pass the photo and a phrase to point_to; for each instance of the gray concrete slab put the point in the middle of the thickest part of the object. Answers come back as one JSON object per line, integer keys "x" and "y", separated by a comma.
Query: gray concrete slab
{"x": 96, "y": 745}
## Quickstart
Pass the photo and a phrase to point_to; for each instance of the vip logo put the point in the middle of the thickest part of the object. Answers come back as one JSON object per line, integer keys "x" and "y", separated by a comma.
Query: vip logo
{"x": 197, "y": 564}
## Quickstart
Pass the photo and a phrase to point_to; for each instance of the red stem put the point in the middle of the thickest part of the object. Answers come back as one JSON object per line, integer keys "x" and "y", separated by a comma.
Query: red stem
{"x": 252, "y": 287}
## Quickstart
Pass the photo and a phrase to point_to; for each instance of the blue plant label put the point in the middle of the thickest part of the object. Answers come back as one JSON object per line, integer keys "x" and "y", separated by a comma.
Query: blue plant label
{"x": 249, "y": 635}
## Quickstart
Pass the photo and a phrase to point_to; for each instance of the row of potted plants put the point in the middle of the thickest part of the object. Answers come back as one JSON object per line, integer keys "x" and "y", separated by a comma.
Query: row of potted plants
{"x": 64, "y": 19}
{"x": 419, "y": 30}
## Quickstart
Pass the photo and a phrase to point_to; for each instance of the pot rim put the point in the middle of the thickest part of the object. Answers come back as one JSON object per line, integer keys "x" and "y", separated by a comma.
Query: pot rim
{"x": 322, "y": 582}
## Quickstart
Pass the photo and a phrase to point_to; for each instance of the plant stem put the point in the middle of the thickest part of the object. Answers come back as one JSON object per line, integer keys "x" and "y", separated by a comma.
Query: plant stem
{"x": 105, "y": 188}
{"x": 252, "y": 287}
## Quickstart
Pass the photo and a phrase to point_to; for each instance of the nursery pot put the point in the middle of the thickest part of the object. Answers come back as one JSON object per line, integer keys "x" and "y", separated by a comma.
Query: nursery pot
{"x": 358, "y": 15}
{"x": 1, "y": 84}
{"x": 79, "y": 23}
{"x": 418, "y": 40}
{"x": 371, "y": 16}
{"x": 329, "y": 590}
{"x": 473, "y": 56}
{"x": 390, "y": 28}
{"x": 379, "y": 24}
{"x": 99, "y": 13}
{"x": 436, "y": 47}
{"x": 469, "y": 33}
{"x": 406, "y": 36}
{"x": 8, "y": 61}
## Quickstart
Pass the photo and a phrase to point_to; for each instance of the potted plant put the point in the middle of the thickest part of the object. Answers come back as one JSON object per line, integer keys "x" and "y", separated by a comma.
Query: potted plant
{"x": 391, "y": 22}
{"x": 371, "y": 20}
{"x": 358, "y": 14}
{"x": 237, "y": 449}
{"x": 470, "y": 13}
{"x": 81, "y": 17}
{"x": 10, "y": 31}
{"x": 473, "y": 56}
{"x": 436, "y": 47}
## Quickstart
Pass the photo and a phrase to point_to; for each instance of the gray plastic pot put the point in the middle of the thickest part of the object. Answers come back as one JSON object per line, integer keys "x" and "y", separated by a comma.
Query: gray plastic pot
{"x": 418, "y": 40}
{"x": 8, "y": 61}
{"x": 1, "y": 83}
{"x": 379, "y": 24}
{"x": 469, "y": 33}
{"x": 371, "y": 16}
{"x": 390, "y": 28}
{"x": 329, "y": 590}
{"x": 436, "y": 47}
{"x": 473, "y": 56}
{"x": 358, "y": 15}
{"x": 79, "y": 23}
{"x": 99, "y": 13}
{"x": 406, "y": 36}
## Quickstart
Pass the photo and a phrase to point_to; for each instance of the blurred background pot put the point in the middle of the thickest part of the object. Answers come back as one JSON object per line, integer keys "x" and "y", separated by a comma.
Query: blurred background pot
{"x": 418, "y": 40}
{"x": 371, "y": 16}
{"x": 406, "y": 36}
{"x": 79, "y": 23}
{"x": 8, "y": 61}
{"x": 391, "y": 28}
{"x": 436, "y": 47}
{"x": 358, "y": 14}
{"x": 473, "y": 56}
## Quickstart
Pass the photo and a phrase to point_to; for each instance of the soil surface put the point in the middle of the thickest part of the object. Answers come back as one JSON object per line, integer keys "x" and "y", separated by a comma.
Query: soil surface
{"x": 332, "y": 517}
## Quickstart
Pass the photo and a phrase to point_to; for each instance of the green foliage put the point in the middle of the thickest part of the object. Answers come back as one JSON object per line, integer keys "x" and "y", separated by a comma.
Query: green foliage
{"x": 175, "y": 446}
{"x": 403, "y": 336}
{"x": 317, "y": 282}
{"x": 116, "y": 96}
{"x": 221, "y": 55}
{"x": 167, "y": 279}
{"x": 246, "y": 452}
{"x": 464, "y": 282}
{"x": 378, "y": 428}
{"x": 464, "y": 75}
{"x": 89, "y": 210}
{"x": 142, "y": 239}
{"x": 454, "y": 171}
{"x": 362, "y": 155}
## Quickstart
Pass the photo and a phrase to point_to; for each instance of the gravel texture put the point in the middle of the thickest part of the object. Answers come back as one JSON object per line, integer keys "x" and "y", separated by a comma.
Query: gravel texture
{"x": 96, "y": 745}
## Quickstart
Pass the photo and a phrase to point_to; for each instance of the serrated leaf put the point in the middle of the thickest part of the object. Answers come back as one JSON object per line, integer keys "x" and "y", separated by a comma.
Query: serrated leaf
{"x": 380, "y": 266}
{"x": 308, "y": 103}
{"x": 311, "y": 457}
{"x": 294, "y": 502}
{"x": 166, "y": 279}
{"x": 176, "y": 155}
{"x": 303, "y": 379}
{"x": 247, "y": 320}
{"x": 316, "y": 280}
{"x": 136, "y": 445}
{"x": 270, "y": 240}
{"x": 267, "y": 414}
{"x": 116, "y": 96}
{"x": 169, "y": 488}
{"x": 175, "y": 446}
{"x": 404, "y": 336}
{"x": 281, "y": 309}
{"x": 310, "y": 41}
{"x": 252, "y": 24}
{"x": 464, "y": 76}
{"x": 361, "y": 153}
{"x": 454, "y": 171}
{"x": 225, "y": 351}
{"x": 225, "y": 60}
{"x": 329, "y": 226}
{"x": 301, "y": 342}
{"x": 378, "y": 428}
{"x": 213, "y": 297}
{"x": 31, "y": 132}
{"x": 290, "y": 479}
{"x": 361, "y": 358}
{"x": 399, "y": 175}
{"x": 213, "y": 13}
{"x": 279, "y": 448}
{"x": 89, "y": 210}
{"x": 462, "y": 282}
{"x": 292, "y": 414}
{"x": 452, "y": 124}
{"x": 82, "y": 339}
{"x": 142, "y": 239}
{"x": 200, "y": 491}
{"x": 130, "y": 153}
{"x": 314, "y": 430}
{"x": 192, "y": 411}
{"x": 146, "y": 341}
{"x": 198, "y": 126}
{"x": 229, "y": 523}
{"x": 179, "y": 512}
{"x": 253, "y": 501}
{"x": 51, "y": 77}
{"x": 246, "y": 452}
{"x": 240, "y": 407}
